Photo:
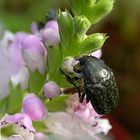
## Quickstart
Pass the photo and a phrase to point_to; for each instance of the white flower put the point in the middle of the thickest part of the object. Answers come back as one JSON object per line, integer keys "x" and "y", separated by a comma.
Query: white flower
{"x": 71, "y": 127}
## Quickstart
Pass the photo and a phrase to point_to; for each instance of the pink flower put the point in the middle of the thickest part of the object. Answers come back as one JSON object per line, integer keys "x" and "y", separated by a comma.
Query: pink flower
{"x": 34, "y": 107}
{"x": 34, "y": 53}
{"x": 19, "y": 37}
{"x": 49, "y": 34}
{"x": 82, "y": 110}
{"x": 23, "y": 125}
{"x": 86, "y": 112}
{"x": 97, "y": 53}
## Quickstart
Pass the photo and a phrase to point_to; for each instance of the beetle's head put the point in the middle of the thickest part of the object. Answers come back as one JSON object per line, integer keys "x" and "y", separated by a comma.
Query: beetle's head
{"x": 92, "y": 67}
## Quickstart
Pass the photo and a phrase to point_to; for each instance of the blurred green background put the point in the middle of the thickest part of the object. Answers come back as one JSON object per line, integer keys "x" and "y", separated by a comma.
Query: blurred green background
{"x": 121, "y": 51}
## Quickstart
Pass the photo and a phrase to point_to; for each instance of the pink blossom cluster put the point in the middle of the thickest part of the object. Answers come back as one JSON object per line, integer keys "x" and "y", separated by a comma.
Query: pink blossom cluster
{"x": 23, "y": 52}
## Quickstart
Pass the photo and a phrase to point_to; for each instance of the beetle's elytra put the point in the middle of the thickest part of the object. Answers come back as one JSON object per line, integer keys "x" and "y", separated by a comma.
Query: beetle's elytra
{"x": 98, "y": 85}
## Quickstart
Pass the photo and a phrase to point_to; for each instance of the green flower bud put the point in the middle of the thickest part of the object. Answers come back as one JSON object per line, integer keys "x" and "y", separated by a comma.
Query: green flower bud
{"x": 81, "y": 25}
{"x": 92, "y": 43}
{"x": 101, "y": 9}
{"x": 81, "y": 7}
{"x": 65, "y": 22}
{"x": 94, "y": 10}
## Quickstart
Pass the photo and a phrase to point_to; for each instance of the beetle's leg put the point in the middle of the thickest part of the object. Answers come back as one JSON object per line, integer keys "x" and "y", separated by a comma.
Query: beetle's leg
{"x": 72, "y": 81}
{"x": 82, "y": 97}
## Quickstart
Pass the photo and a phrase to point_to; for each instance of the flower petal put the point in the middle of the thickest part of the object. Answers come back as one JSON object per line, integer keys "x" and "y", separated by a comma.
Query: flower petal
{"x": 34, "y": 107}
{"x": 34, "y": 53}
{"x": 15, "y": 137}
{"x": 20, "y": 119}
{"x": 97, "y": 53}
{"x": 21, "y": 78}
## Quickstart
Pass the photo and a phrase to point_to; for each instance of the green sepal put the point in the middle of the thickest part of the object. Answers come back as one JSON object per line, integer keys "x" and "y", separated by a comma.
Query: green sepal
{"x": 39, "y": 125}
{"x": 13, "y": 102}
{"x": 54, "y": 59}
{"x": 92, "y": 43}
{"x": 57, "y": 104}
{"x": 65, "y": 22}
{"x": 54, "y": 62}
{"x": 36, "y": 80}
{"x": 68, "y": 42}
{"x": 3, "y": 106}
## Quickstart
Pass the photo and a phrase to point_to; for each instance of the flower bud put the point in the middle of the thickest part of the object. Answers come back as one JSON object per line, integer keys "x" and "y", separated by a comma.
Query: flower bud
{"x": 50, "y": 33}
{"x": 34, "y": 53}
{"x": 50, "y": 37}
{"x": 81, "y": 25}
{"x": 65, "y": 22}
{"x": 82, "y": 8}
{"x": 94, "y": 10}
{"x": 52, "y": 24}
{"x": 68, "y": 64}
{"x": 51, "y": 90}
{"x": 102, "y": 8}
{"x": 34, "y": 108}
{"x": 92, "y": 43}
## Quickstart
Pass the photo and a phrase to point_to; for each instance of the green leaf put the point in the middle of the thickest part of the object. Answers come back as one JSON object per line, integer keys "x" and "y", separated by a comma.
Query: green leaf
{"x": 92, "y": 43}
{"x": 57, "y": 104}
{"x": 3, "y": 106}
{"x": 14, "y": 100}
{"x": 54, "y": 59}
{"x": 39, "y": 125}
{"x": 36, "y": 81}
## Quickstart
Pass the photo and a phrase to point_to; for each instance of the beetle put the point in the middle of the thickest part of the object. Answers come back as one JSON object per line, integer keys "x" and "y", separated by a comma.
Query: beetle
{"x": 97, "y": 83}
